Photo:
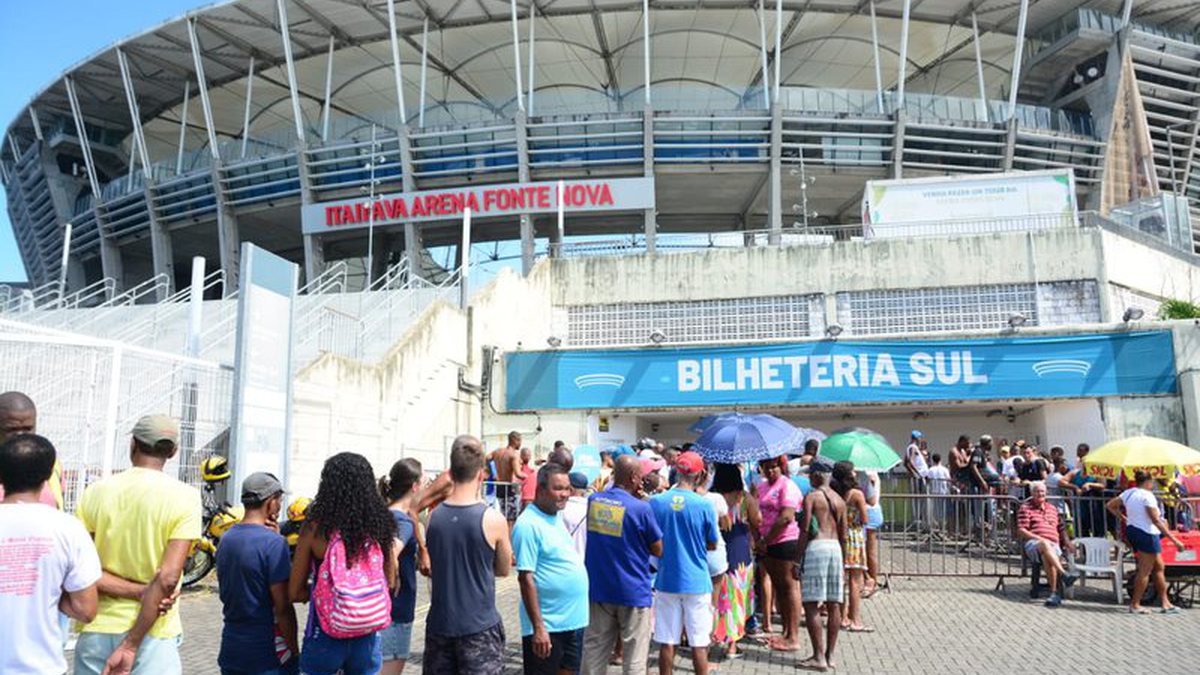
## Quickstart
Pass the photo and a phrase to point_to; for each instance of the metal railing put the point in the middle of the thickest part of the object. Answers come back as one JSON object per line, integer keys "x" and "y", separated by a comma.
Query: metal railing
{"x": 90, "y": 392}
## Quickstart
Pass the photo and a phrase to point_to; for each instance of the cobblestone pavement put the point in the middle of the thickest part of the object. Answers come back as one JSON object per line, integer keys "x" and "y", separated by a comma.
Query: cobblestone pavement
{"x": 923, "y": 625}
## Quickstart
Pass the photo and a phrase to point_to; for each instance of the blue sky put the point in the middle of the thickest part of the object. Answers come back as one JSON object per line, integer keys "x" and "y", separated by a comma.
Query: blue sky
{"x": 39, "y": 40}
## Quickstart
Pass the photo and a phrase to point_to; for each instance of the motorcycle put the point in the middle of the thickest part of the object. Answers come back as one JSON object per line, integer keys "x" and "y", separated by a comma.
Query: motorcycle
{"x": 218, "y": 518}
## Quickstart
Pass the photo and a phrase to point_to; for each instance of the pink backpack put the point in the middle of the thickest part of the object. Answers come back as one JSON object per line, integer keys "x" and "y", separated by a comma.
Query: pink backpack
{"x": 355, "y": 601}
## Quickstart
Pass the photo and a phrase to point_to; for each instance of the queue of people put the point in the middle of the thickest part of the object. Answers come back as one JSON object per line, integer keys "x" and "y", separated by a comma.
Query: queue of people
{"x": 664, "y": 548}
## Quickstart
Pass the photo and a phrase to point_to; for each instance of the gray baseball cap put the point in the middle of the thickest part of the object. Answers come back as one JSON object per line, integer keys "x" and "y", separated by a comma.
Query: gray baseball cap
{"x": 260, "y": 486}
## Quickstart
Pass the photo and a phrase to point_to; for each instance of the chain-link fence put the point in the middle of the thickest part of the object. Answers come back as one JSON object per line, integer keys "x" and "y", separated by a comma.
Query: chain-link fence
{"x": 89, "y": 393}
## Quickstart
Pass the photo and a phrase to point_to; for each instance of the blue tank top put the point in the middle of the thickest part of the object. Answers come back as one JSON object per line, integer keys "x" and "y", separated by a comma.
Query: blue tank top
{"x": 463, "y": 594}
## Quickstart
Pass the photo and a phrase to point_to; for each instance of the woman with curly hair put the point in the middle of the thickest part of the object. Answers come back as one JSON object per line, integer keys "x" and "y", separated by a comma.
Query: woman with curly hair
{"x": 845, "y": 483}
{"x": 348, "y": 507}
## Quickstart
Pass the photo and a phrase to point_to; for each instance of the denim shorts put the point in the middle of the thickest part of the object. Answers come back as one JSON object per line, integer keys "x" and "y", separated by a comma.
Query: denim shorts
{"x": 156, "y": 656}
{"x": 395, "y": 641}
{"x": 323, "y": 655}
{"x": 1142, "y": 541}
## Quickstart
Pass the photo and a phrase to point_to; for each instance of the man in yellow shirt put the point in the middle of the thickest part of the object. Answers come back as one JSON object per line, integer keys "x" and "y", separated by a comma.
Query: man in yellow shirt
{"x": 143, "y": 522}
{"x": 18, "y": 415}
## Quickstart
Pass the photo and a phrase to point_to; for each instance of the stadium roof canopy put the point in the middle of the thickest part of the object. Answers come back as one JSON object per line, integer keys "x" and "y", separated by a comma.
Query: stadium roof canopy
{"x": 585, "y": 48}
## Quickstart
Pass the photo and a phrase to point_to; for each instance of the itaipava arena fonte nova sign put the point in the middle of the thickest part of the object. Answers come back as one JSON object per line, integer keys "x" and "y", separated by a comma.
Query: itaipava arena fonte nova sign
{"x": 511, "y": 199}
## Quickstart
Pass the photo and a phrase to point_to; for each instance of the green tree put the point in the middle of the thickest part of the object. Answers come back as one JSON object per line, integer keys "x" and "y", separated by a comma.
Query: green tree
{"x": 1178, "y": 309}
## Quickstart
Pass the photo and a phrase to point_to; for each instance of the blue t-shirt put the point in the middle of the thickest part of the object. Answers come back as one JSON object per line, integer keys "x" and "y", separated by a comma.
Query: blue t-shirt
{"x": 688, "y": 525}
{"x": 621, "y": 530}
{"x": 544, "y": 547}
{"x": 404, "y": 603}
{"x": 250, "y": 559}
{"x": 802, "y": 481}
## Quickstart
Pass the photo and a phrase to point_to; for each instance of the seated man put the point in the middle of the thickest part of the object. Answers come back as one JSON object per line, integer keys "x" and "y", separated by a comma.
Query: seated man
{"x": 1045, "y": 535}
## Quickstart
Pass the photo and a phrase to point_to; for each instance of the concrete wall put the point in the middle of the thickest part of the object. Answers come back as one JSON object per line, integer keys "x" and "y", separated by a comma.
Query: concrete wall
{"x": 1001, "y": 258}
{"x": 1148, "y": 269}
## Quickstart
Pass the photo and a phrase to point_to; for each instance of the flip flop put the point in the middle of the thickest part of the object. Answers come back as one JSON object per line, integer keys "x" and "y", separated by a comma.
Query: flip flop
{"x": 774, "y": 648}
{"x": 1139, "y": 610}
{"x": 811, "y": 664}
{"x": 1170, "y": 610}
{"x": 859, "y": 629}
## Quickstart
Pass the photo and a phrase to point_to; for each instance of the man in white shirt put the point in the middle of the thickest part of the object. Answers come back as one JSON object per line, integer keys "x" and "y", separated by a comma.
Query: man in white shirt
{"x": 938, "y": 478}
{"x": 47, "y": 563}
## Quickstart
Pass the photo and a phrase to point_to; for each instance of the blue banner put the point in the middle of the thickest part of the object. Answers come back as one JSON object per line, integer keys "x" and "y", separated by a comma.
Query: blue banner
{"x": 835, "y": 372}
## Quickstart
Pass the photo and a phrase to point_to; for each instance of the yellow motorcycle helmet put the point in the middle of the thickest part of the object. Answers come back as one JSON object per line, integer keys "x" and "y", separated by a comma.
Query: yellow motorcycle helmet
{"x": 224, "y": 520}
{"x": 214, "y": 469}
{"x": 297, "y": 509}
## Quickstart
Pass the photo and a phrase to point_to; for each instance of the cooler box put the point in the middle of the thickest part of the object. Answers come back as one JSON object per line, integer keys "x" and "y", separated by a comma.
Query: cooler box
{"x": 1189, "y": 556}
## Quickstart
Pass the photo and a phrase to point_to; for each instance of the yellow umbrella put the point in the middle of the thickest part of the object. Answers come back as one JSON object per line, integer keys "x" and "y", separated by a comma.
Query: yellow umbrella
{"x": 1160, "y": 457}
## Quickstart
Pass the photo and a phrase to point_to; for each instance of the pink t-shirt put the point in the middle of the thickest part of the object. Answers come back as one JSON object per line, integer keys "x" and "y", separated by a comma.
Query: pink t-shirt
{"x": 529, "y": 485}
{"x": 773, "y": 498}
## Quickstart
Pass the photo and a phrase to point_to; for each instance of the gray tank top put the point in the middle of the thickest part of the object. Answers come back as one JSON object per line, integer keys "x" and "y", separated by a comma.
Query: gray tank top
{"x": 463, "y": 595}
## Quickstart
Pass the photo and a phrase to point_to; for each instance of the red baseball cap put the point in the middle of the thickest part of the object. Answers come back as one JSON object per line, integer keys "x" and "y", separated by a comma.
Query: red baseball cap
{"x": 689, "y": 463}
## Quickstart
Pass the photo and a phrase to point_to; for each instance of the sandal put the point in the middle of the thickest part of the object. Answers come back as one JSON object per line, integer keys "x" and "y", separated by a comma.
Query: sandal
{"x": 1170, "y": 610}
{"x": 859, "y": 629}
{"x": 1138, "y": 610}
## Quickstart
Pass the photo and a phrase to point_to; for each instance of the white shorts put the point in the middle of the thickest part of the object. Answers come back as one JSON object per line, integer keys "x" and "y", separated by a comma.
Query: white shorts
{"x": 675, "y": 613}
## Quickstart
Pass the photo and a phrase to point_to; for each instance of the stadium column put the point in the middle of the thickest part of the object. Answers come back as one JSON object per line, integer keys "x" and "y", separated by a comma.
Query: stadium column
{"x": 110, "y": 254}
{"x": 775, "y": 208}
{"x": 649, "y": 216}
{"x": 227, "y": 225}
{"x": 161, "y": 254}
{"x": 898, "y": 136}
{"x": 527, "y": 233}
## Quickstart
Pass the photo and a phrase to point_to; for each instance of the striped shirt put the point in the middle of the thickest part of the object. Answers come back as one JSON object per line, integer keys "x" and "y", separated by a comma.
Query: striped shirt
{"x": 1042, "y": 520}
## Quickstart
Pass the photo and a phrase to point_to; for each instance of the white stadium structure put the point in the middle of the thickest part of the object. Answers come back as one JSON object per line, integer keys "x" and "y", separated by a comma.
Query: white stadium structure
{"x": 678, "y": 180}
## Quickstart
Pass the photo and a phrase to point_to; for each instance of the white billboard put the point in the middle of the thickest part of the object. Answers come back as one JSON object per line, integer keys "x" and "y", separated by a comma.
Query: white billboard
{"x": 1016, "y": 201}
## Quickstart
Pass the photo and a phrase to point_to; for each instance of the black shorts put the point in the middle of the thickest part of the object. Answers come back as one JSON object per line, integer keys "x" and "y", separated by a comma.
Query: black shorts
{"x": 566, "y": 652}
{"x": 480, "y": 653}
{"x": 508, "y": 500}
{"x": 784, "y": 550}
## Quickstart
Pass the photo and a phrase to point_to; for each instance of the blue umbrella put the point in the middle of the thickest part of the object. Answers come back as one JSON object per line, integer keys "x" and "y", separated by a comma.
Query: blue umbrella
{"x": 701, "y": 425}
{"x": 735, "y": 438}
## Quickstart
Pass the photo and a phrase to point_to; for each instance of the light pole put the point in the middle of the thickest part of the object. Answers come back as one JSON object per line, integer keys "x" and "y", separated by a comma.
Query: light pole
{"x": 805, "y": 181}
{"x": 374, "y": 160}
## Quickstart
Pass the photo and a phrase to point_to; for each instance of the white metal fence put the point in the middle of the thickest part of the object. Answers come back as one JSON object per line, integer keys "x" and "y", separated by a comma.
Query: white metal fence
{"x": 90, "y": 392}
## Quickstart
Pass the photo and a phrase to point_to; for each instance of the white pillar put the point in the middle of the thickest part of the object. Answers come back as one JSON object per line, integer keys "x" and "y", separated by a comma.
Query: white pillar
{"x": 903, "y": 54}
{"x": 516, "y": 42}
{"x": 135, "y": 115}
{"x": 1018, "y": 50}
{"x": 424, "y": 70}
{"x": 37, "y": 124}
{"x": 646, "y": 49}
{"x": 81, "y": 131}
{"x": 202, "y": 85}
{"x": 246, "y": 112}
{"x": 66, "y": 255}
{"x": 328, "y": 90}
{"x": 878, "y": 66}
{"x": 778, "y": 47}
{"x": 187, "y": 90}
{"x": 983, "y": 106}
{"x": 195, "y": 308}
{"x": 762, "y": 52}
{"x": 465, "y": 256}
{"x": 285, "y": 33}
{"x": 1126, "y": 13}
{"x": 396, "y": 72}
{"x": 532, "y": 52}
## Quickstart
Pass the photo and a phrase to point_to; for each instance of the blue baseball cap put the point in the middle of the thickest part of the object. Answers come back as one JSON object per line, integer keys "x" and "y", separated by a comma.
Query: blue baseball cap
{"x": 916, "y": 433}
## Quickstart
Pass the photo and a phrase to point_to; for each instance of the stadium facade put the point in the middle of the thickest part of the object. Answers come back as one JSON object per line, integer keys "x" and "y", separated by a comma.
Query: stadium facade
{"x": 223, "y": 125}
{"x": 712, "y": 162}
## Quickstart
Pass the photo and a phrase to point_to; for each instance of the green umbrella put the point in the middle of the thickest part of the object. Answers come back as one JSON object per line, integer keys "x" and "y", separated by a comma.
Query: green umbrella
{"x": 868, "y": 451}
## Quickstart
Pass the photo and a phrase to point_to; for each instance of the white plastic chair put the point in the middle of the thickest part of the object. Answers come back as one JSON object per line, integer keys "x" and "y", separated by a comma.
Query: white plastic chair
{"x": 1101, "y": 558}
